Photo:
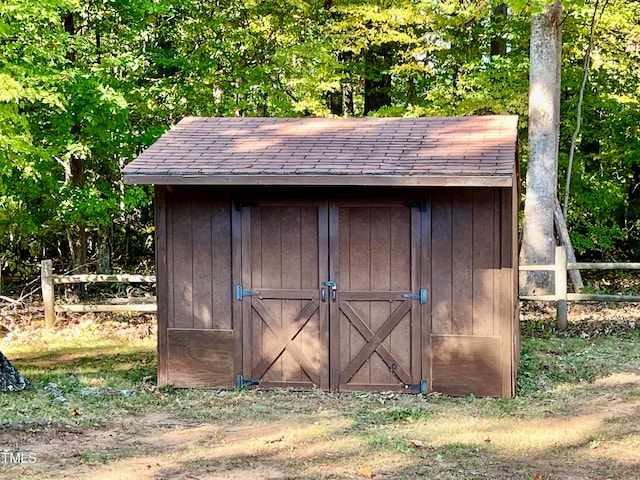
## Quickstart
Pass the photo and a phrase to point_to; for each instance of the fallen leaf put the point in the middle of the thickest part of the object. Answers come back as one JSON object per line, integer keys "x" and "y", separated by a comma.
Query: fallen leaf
{"x": 275, "y": 440}
{"x": 417, "y": 443}
{"x": 75, "y": 412}
{"x": 487, "y": 440}
{"x": 365, "y": 472}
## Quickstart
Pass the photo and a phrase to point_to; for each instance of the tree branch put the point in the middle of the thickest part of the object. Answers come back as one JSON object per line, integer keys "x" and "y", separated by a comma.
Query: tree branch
{"x": 595, "y": 20}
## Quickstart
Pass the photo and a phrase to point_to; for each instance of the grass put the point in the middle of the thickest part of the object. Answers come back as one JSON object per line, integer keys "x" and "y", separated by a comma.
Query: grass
{"x": 576, "y": 415}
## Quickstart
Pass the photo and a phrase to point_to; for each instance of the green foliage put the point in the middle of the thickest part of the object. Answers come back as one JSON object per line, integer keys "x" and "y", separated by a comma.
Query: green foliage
{"x": 84, "y": 87}
{"x": 604, "y": 202}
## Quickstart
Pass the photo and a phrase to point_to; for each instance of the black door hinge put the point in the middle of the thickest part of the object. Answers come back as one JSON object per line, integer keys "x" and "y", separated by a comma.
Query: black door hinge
{"x": 421, "y": 295}
{"x": 242, "y": 382}
{"x": 241, "y": 292}
{"x": 422, "y": 387}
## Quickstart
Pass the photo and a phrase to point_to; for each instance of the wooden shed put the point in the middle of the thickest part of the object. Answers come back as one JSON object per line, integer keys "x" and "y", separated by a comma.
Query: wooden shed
{"x": 341, "y": 254}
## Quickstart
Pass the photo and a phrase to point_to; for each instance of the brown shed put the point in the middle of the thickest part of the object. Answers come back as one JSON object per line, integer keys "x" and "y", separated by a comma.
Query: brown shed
{"x": 342, "y": 254}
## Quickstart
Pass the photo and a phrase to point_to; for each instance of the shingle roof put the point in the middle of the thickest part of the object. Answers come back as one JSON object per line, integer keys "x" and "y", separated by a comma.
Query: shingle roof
{"x": 329, "y": 151}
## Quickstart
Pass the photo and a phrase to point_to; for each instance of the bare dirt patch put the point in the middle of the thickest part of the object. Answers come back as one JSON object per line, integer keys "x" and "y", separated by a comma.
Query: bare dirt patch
{"x": 583, "y": 424}
{"x": 604, "y": 443}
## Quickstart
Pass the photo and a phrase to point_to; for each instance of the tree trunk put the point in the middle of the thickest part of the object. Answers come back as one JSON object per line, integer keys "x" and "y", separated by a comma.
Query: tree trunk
{"x": 103, "y": 265}
{"x": 498, "y": 43}
{"x": 538, "y": 240}
{"x": 76, "y": 234}
{"x": 10, "y": 379}
{"x": 377, "y": 80}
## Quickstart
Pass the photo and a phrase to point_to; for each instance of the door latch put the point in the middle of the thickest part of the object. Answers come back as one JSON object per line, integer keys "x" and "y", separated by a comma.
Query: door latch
{"x": 334, "y": 291}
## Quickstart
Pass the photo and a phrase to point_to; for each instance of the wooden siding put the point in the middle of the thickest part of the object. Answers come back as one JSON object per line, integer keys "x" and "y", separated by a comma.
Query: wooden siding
{"x": 199, "y": 260}
{"x": 458, "y": 244}
{"x": 464, "y": 364}
{"x": 194, "y": 292}
{"x": 200, "y": 357}
{"x": 465, "y": 262}
{"x": 471, "y": 293}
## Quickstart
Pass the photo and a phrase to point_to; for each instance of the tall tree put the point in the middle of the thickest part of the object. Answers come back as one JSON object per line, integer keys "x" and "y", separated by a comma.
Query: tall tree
{"x": 538, "y": 239}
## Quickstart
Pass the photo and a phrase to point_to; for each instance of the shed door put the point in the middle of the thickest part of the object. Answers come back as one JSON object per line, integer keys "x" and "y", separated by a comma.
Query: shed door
{"x": 301, "y": 330}
{"x": 375, "y": 331}
{"x": 284, "y": 259}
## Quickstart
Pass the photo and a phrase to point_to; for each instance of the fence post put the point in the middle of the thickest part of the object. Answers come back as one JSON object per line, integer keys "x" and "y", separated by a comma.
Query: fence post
{"x": 561, "y": 287}
{"x": 46, "y": 275}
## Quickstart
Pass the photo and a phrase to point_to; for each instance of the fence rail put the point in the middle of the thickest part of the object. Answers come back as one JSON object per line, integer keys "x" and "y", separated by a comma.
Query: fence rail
{"x": 561, "y": 296}
{"x": 49, "y": 280}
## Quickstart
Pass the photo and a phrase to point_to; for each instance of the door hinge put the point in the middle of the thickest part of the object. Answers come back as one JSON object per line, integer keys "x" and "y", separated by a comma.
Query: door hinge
{"x": 419, "y": 204}
{"x": 422, "y": 387}
{"x": 242, "y": 382}
{"x": 421, "y": 295}
{"x": 241, "y": 292}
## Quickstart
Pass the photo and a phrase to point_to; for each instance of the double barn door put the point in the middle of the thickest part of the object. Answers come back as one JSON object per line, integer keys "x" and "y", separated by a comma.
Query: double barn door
{"x": 331, "y": 295}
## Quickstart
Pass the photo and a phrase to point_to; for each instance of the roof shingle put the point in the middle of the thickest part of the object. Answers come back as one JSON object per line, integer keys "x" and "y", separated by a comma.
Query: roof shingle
{"x": 344, "y": 151}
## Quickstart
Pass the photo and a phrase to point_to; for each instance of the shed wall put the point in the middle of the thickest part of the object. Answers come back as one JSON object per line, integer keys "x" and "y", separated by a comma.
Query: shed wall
{"x": 195, "y": 322}
{"x": 467, "y": 264}
{"x": 472, "y": 291}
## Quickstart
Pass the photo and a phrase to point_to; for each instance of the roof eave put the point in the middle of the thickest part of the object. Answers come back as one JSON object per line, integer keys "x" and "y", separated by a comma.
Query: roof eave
{"x": 324, "y": 180}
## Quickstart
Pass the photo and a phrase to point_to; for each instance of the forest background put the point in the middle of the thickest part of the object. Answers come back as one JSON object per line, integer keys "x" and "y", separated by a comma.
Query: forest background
{"x": 87, "y": 85}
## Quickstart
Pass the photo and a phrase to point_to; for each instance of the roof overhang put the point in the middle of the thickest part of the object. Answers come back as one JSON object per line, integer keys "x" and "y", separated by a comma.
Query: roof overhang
{"x": 323, "y": 180}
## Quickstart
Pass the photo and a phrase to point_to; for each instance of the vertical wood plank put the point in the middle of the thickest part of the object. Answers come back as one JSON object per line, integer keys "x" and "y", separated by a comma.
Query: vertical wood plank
{"x": 269, "y": 263}
{"x": 360, "y": 279}
{"x": 249, "y": 343}
{"x": 424, "y": 252}
{"x": 183, "y": 261}
{"x": 237, "y": 249}
{"x": 404, "y": 278}
{"x": 322, "y": 273}
{"x": 169, "y": 194}
{"x": 221, "y": 263}
{"x": 441, "y": 262}
{"x": 338, "y": 272}
{"x": 202, "y": 254}
{"x": 509, "y": 318}
{"x": 462, "y": 277}
{"x": 291, "y": 278}
{"x": 162, "y": 297}
{"x": 381, "y": 232}
{"x": 498, "y": 301}
{"x": 483, "y": 262}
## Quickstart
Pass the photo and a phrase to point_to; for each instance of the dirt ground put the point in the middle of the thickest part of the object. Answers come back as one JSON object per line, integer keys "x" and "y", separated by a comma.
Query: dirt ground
{"x": 159, "y": 446}
{"x": 597, "y": 437}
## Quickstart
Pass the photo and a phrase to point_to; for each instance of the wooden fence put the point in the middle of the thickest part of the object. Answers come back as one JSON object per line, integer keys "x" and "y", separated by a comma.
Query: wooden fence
{"x": 49, "y": 280}
{"x": 561, "y": 296}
